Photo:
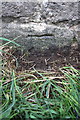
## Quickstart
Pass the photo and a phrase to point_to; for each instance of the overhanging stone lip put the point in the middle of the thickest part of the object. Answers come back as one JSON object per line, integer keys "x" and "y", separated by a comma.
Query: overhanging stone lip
{"x": 39, "y": 1}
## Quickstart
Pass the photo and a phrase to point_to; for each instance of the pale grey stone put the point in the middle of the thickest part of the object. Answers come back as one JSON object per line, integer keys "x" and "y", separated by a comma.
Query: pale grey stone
{"x": 41, "y": 25}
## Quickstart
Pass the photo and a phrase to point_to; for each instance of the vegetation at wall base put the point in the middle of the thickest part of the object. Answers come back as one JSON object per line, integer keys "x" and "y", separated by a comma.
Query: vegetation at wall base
{"x": 35, "y": 94}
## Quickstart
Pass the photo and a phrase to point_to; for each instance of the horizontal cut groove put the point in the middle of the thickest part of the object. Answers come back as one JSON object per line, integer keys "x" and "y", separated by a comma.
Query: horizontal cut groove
{"x": 44, "y": 35}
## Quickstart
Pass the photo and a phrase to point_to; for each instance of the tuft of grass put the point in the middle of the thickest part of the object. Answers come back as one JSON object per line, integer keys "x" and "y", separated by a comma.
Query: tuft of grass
{"x": 36, "y": 94}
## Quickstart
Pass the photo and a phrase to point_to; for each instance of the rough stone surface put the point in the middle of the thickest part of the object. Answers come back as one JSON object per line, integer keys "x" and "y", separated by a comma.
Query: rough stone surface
{"x": 41, "y": 25}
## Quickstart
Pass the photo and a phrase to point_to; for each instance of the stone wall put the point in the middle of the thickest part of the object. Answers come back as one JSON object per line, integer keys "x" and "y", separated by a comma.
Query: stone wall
{"x": 42, "y": 25}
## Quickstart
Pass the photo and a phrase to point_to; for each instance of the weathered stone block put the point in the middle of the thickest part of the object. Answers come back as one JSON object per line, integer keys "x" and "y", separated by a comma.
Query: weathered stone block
{"x": 41, "y": 24}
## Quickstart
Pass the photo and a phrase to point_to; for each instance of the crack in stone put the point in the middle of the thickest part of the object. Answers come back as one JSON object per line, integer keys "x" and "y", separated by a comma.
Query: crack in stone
{"x": 9, "y": 19}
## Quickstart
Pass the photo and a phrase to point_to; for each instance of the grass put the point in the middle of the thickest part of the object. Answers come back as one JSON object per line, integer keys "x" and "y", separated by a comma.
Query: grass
{"x": 37, "y": 94}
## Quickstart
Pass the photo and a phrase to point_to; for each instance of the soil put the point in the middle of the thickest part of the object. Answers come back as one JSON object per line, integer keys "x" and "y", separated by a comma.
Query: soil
{"x": 50, "y": 60}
